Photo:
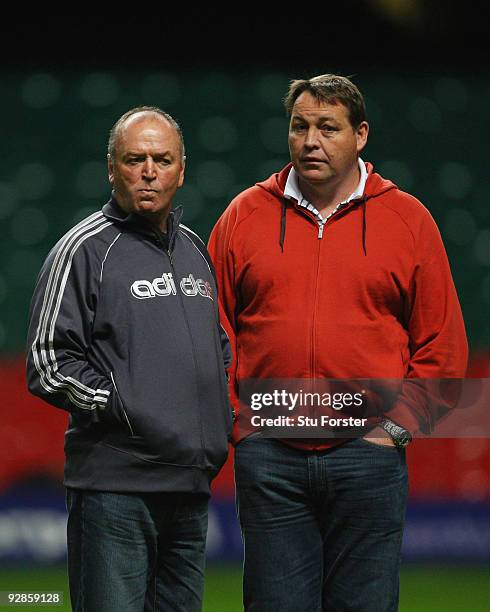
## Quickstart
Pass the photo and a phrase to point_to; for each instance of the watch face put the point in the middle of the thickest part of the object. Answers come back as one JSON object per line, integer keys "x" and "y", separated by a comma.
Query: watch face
{"x": 403, "y": 439}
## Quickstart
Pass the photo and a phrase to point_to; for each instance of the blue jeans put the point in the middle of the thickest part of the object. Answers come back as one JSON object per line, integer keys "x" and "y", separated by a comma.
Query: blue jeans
{"x": 322, "y": 530}
{"x": 135, "y": 552}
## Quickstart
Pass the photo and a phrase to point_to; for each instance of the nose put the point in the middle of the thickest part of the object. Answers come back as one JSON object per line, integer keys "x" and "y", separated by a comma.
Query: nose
{"x": 311, "y": 140}
{"x": 148, "y": 170}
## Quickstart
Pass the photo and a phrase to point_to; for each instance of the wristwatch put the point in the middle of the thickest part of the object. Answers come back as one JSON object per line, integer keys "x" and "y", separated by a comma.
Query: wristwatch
{"x": 400, "y": 436}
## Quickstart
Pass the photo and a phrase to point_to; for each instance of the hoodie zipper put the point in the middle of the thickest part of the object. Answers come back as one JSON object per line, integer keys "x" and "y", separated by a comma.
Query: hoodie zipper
{"x": 315, "y": 308}
{"x": 321, "y": 228}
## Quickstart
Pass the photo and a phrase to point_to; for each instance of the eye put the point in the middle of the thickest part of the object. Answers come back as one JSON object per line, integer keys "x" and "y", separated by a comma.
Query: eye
{"x": 298, "y": 127}
{"x": 162, "y": 161}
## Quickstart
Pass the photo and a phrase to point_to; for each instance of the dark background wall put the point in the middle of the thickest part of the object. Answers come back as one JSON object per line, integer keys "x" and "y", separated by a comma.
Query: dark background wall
{"x": 222, "y": 73}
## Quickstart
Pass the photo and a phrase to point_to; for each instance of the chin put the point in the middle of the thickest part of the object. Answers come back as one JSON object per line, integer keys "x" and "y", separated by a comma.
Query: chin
{"x": 145, "y": 206}
{"x": 314, "y": 177}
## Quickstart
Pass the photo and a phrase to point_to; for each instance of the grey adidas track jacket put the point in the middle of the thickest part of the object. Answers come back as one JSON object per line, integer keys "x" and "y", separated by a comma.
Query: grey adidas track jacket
{"x": 124, "y": 334}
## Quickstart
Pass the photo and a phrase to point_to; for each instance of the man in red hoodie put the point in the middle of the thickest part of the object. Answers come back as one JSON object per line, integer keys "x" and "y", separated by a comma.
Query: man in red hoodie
{"x": 328, "y": 271}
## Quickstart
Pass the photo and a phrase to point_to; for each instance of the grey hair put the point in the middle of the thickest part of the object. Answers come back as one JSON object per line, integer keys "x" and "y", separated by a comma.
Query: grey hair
{"x": 114, "y": 133}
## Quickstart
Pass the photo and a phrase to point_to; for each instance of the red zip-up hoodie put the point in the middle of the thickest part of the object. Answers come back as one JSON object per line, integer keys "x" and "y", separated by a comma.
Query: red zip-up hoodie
{"x": 372, "y": 297}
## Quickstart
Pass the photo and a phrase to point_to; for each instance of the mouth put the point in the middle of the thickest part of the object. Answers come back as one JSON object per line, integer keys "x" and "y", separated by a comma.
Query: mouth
{"x": 312, "y": 160}
{"x": 147, "y": 194}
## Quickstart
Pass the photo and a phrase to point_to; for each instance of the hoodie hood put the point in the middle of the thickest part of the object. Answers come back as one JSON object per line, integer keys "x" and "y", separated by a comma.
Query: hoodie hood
{"x": 375, "y": 186}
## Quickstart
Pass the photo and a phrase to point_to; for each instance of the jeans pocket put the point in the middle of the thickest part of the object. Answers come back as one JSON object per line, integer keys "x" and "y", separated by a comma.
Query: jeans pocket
{"x": 384, "y": 447}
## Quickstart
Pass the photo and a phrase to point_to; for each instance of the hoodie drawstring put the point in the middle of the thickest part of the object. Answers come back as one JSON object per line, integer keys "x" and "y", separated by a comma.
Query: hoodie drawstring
{"x": 283, "y": 225}
{"x": 364, "y": 226}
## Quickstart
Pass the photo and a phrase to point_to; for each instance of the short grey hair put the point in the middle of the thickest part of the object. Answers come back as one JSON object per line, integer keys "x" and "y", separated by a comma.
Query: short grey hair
{"x": 114, "y": 133}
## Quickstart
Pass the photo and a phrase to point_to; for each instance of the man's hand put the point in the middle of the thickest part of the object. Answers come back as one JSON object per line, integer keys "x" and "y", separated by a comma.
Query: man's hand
{"x": 379, "y": 436}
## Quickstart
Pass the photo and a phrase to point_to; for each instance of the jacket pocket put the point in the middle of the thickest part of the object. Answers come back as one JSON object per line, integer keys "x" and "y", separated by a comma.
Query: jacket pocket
{"x": 123, "y": 409}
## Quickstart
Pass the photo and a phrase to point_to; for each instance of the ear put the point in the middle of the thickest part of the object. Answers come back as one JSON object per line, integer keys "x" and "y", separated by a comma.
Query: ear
{"x": 182, "y": 172}
{"x": 362, "y": 135}
{"x": 110, "y": 169}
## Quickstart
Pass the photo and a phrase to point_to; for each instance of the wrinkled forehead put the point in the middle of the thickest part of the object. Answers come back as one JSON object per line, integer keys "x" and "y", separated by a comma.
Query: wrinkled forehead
{"x": 308, "y": 103}
{"x": 144, "y": 126}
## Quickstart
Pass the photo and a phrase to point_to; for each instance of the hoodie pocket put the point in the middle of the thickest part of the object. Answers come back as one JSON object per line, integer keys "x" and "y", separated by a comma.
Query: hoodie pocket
{"x": 123, "y": 408}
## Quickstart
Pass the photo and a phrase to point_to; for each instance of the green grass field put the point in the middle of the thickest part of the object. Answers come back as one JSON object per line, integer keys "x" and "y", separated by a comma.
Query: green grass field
{"x": 424, "y": 588}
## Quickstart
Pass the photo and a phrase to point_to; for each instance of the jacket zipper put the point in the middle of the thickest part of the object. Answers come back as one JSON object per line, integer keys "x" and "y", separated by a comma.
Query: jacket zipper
{"x": 201, "y": 434}
{"x": 219, "y": 353}
{"x": 122, "y": 405}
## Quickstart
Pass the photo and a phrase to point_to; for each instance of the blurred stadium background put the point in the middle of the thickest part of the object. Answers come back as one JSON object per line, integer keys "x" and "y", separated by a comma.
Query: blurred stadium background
{"x": 429, "y": 134}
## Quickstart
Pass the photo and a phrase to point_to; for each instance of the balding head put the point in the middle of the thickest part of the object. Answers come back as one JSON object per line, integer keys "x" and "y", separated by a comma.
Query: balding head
{"x": 136, "y": 114}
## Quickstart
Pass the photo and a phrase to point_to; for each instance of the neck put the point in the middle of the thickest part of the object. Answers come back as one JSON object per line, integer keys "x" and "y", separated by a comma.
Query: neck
{"x": 155, "y": 220}
{"x": 158, "y": 222}
{"x": 325, "y": 196}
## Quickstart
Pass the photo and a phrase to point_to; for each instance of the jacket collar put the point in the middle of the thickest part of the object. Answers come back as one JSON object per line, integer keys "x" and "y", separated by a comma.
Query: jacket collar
{"x": 112, "y": 211}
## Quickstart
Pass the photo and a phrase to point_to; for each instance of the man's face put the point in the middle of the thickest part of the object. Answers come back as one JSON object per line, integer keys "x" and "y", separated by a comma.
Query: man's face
{"x": 147, "y": 168}
{"x": 322, "y": 143}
